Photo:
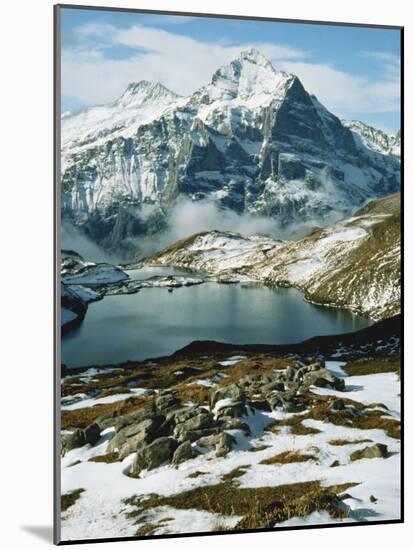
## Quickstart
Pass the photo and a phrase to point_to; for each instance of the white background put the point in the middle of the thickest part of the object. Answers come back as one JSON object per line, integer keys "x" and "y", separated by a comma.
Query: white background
{"x": 26, "y": 191}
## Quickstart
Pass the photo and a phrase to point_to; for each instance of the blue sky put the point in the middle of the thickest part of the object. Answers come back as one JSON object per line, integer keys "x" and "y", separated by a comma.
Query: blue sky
{"x": 354, "y": 71}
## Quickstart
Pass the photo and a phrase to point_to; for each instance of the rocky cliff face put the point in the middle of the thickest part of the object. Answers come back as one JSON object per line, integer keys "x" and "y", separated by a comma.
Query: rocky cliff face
{"x": 354, "y": 264}
{"x": 252, "y": 140}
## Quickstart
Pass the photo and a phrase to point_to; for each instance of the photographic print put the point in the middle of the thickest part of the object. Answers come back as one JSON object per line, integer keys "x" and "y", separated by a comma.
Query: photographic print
{"x": 228, "y": 230}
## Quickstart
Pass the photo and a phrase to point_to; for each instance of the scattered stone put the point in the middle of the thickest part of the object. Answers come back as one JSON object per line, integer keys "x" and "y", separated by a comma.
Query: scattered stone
{"x": 184, "y": 452}
{"x": 92, "y": 433}
{"x": 273, "y": 386}
{"x": 276, "y": 402}
{"x": 155, "y": 454}
{"x": 224, "y": 444}
{"x": 208, "y": 441}
{"x": 234, "y": 409}
{"x": 261, "y": 405}
{"x": 373, "y": 499}
{"x": 134, "y": 436}
{"x": 337, "y": 405}
{"x": 236, "y": 424}
{"x": 335, "y": 464}
{"x": 290, "y": 373}
{"x": 374, "y": 451}
{"x": 232, "y": 391}
{"x": 193, "y": 435}
{"x": 189, "y": 428}
{"x": 73, "y": 441}
{"x": 167, "y": 402}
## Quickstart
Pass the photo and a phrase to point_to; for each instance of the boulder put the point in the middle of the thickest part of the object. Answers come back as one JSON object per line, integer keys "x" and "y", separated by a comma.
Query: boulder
{"x": 201, "y": 419}
{"x": 290, "y": 373}
{"x": 261, "y": 405}
{"x": 337, "y": 405}
{"x": 276, "y": 402}
{"x": 273, "y": 386}
{"x": 155, "y": 454}
{"x": 374, "y": 451}
{"x": 232, "y": 391}
{"x": 132, "y": 437}
{"x": 167, "y": 402}
{"x": 323, "y": 378}
{"x": 234, "y": 409}
{"x": 294, "y": 406}
{"x": 208, "y": 441}
{"x": 92, "y": 433}
{"x": 134, "y": 417}
{"x": 184, "y": 452}
{"x": 73, "y": 440}
{"x": 230, "y": 423}
{"x": 224, "y": 444}
{"x": 193, "y": 435}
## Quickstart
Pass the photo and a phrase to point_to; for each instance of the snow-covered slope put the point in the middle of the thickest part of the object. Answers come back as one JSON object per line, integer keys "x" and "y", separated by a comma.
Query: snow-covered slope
{"x": 252, "y": 140}
{"x": 354, "y": 264}
{"x": 374, "y": 139}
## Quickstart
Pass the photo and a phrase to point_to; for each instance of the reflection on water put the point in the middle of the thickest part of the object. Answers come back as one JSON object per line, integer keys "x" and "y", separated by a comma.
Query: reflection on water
{"x": 156, "y": 322}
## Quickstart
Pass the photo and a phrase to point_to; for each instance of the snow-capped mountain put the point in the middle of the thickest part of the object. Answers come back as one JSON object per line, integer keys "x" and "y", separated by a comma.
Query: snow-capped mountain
{"x": 374, "y": 139}
{"x": 252, "y": 140}
{"x": 353, "y": 264}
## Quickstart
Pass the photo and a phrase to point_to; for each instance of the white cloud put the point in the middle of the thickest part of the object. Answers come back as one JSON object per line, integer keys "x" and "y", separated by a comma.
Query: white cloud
{"x": 183, "y": 64}
{"x": 179, "y": 62}
{"x": 344, "y": 93}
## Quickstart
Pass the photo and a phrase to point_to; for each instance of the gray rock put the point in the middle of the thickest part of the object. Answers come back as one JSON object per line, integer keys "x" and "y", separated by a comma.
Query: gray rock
{"x": 134, "y": 436}
{"x": 230, "y": 423}
{"x": 276, "y": 402}
{"x": 134, "y": 417}
{"x": 184, "y": 413}
{"x": 374, "y": 451}
{"x": 261, "y": 405}
{"x": 290, "y": 373}
{"x": 323, "y": 378}
{"x": 184, "y": 452}
{"x": 92, "y": 433}
{"x": 73, "y": 440}
{"x": 193, "y": 435}
{"x": 155, "y": 454}
{"x": 234, "y": 409}
{"x": 273, "y": 386}
{"x": 337, "y": 405}
{"x": 232, "y": 391}
{"x": 201, "y": 420}
{"x": 209, "y": 441}
{"x": 294, "y": 406}
{"x": 167, "y": 402}
{"x": 224, "y": 445}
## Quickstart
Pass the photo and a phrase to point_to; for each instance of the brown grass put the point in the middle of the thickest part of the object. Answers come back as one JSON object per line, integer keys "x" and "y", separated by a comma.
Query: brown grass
{"x": 257, "y": 364}
{"x": 108, "y": 458}
{"x": 260, "y": 507}
{"x": 341, "y": 442}
{"x": 366, "y": 420}
{"x": 361, "y": 367}
{"x": 259, "y": 448}
{"x": 81, "y": 418}
{"x": 69, "y": 499}
{"x": 237, "y": 472}
{"x": 288, "y": 457}
{"x": 195, "y": 474}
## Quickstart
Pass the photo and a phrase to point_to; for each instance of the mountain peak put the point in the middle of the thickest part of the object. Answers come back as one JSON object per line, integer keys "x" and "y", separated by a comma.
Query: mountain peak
{"x": 253, "y": 55}
{"x": 251, "y": 75}
{"x": 145, "y": 91}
